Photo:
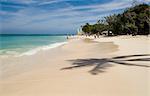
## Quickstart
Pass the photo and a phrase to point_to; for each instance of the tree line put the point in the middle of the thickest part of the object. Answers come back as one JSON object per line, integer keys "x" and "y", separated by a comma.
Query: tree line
{"x": 134, "y": 20}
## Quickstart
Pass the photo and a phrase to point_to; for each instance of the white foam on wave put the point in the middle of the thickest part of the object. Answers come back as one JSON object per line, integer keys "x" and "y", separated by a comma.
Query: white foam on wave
{"x": 8, "y": 53}
{"x": 47, "y": 47}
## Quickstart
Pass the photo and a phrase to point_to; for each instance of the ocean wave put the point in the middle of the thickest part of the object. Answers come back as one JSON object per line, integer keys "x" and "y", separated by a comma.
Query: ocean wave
{"x": 8, "y": 52}
{"x": 46, "y": 47}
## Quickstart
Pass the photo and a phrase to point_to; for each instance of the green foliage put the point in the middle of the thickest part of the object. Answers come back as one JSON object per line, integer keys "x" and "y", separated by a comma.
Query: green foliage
{"x": 87, "y": 28}
{"x": 94, "y": 29}
{"x": 134, "y": 20}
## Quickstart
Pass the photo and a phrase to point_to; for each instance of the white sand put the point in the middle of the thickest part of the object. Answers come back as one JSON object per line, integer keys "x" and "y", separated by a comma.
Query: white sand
{"x": 41, "y": 74}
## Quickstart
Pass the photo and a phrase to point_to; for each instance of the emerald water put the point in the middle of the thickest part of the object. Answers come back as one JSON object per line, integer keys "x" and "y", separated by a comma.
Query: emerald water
{"x": 27, "y": 45}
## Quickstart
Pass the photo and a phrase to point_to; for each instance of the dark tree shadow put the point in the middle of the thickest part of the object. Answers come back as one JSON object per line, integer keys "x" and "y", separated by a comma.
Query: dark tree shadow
{"x": 101, "y": 64}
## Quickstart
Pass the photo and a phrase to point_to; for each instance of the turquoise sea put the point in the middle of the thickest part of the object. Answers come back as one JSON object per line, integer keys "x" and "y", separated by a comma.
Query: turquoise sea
{"x": 28, "y": 44}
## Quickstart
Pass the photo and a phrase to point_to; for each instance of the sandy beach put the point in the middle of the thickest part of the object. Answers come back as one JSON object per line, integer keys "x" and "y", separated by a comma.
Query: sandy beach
{"x": 106, "y": 66}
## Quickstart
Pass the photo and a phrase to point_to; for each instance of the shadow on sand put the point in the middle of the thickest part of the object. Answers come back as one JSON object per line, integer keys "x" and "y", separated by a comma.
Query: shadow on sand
{"x": 103, "y": 63}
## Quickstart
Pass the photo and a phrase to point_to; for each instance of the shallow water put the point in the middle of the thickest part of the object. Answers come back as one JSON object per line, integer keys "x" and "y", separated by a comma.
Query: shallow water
{"x": 27, "y": 45}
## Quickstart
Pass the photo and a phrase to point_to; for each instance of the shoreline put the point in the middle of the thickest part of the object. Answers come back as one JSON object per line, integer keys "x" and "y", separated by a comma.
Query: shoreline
{"x": 46, "y": 73}
{"x": 55, "y": 45}
{"x": 34, "y": 50}
{"x": 28, "y": 44}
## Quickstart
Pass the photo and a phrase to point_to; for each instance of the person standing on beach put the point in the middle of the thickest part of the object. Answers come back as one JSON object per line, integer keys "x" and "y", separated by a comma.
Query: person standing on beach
{"x": 67, "y": 37}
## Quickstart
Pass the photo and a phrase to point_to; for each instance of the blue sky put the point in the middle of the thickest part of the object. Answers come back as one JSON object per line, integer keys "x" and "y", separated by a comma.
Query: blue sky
{"x": 55, "y": 16}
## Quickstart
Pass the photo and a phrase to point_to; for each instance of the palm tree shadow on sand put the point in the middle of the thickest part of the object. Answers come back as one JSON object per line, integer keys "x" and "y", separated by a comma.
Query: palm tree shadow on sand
{"x": 101, "y": 64}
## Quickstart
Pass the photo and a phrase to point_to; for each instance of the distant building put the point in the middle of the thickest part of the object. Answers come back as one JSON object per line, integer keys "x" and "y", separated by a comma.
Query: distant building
{"x": 79, "y": 31}
{"x": 107, "y": 33}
